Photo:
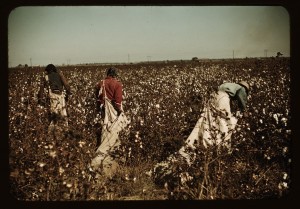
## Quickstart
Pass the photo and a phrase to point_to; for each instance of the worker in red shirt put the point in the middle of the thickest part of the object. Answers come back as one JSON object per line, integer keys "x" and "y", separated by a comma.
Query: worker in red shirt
{"x": 109, "y": 97}
{"x": 112, "y": 89}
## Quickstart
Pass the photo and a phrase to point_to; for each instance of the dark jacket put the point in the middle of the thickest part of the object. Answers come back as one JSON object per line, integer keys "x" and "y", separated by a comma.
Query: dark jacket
{"x": 56, "y": 82}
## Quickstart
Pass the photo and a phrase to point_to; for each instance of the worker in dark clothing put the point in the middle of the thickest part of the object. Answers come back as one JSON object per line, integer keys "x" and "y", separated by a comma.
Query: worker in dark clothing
{"x": 53, "y": 92}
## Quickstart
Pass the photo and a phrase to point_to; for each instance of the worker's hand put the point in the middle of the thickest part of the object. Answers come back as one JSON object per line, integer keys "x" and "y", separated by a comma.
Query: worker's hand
{"x": 119, "y": 112}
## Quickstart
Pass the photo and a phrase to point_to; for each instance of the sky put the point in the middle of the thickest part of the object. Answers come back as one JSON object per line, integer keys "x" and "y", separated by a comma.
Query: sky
{"x": 40, "y": 35}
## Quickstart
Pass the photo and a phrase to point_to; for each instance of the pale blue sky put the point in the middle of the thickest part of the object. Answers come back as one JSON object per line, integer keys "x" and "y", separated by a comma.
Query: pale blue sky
{"x": 92, "y": 34}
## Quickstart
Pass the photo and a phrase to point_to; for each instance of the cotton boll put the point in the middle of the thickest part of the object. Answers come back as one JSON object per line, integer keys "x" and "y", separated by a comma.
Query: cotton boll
{"x": 276, "y": 118}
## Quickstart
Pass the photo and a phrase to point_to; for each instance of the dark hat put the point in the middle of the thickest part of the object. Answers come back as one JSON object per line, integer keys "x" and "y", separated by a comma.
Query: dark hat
{"x": 111, "y": 72}
{"x": 51, "y": 68}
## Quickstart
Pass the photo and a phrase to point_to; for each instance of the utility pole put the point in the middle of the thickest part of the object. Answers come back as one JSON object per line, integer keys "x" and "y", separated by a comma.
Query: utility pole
{"x": 233, "y": 58}
{"x": 31, "y": 62}
{"x": 266, "y": 53}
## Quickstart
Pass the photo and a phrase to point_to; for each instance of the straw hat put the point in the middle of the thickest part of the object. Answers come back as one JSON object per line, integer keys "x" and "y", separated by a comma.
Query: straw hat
{"x": 245, "y": 84}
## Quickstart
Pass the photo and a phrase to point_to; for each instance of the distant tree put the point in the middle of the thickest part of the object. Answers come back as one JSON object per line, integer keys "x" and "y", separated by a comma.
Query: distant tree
{"x": 195, "y": 59}
{"x": 26, "y": 65}
{"x": 279, "y": 54}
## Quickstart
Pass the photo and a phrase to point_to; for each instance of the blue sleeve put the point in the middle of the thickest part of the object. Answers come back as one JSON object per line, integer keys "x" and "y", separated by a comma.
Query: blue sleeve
{"x": 242, "y": 97}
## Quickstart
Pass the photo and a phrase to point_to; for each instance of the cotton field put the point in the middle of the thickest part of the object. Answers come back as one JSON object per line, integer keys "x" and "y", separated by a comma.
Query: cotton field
{"x": 163, "y": 102}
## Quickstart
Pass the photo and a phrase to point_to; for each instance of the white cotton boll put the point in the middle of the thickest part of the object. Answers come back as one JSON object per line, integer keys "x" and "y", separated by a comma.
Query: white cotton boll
{"x": 285, "y": 175}
{"x": 284, "y": 184}
{"x": 41, "y": 164}
{"x": 267, "y": 156}
{"x": 276, "y": 118}
{"x": 157, "y": 106}
{"x": 284, "y": 120}
{"x": 52, "y": 154}
{"x": 260, "y": 120}
{"x": 81, "y": 143}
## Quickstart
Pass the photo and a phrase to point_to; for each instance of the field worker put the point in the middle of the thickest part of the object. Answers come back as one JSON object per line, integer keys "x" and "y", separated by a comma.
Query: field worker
{"x": 216, "y": 123}
{"x": 54, "y": 89}
{"x": 109, "y": 96}
{"x": 112, "y": 90}
{"x": 214, "y": 127}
